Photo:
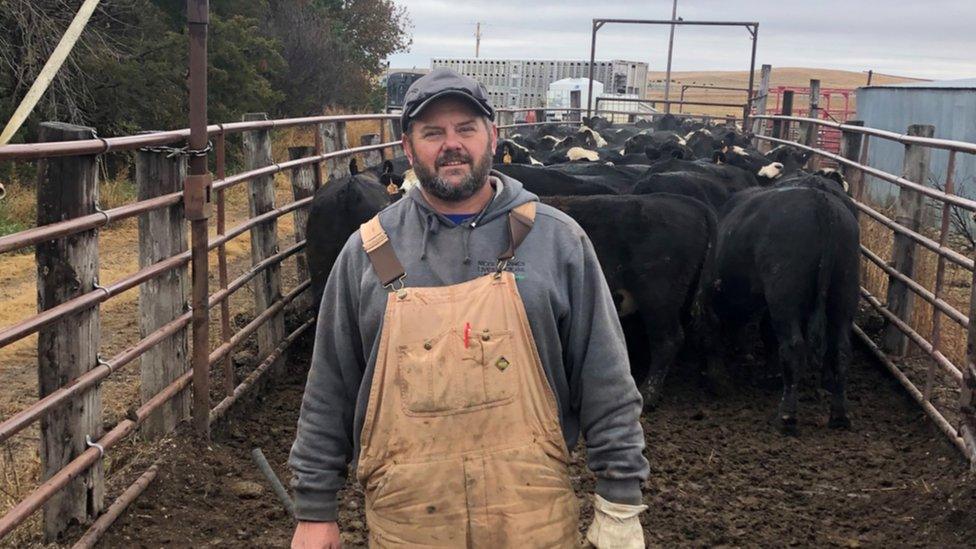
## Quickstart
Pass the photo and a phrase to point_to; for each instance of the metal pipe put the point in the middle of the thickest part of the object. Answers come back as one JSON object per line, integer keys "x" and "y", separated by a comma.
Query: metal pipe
{"x": 98, "y": 145}
{"x": 26, "y": 507}
{"x": 220, "y": 409}
{"x": 104, "y": 522}
{"x": 252, "y": 326}
{"x": 52, "y": 231}
{"x": 667, "y": 75}
{"x": 79, "y": 385}
{"x": 926, "y": 242}
{"x": 950, "y": 188}
{"x": 198, "y": 16}
{"x": 918, "y": 289}
{"x": 752, "y": 76}
{"x": 916, "y": 338}
{"x": 282, "y": 166}
{"x": 222, "y": 276}
{"x": 589, "y": 92}
{"x": 221, "y": 295}
{"x": 905, "y": 139}
{"x": 257, "y": 456}
{"x": 913, "y": 391}
{"x": 964, "y": 203}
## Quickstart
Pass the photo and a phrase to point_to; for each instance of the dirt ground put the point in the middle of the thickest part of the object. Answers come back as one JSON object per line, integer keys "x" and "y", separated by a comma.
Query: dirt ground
{"x": 721, "y": 475}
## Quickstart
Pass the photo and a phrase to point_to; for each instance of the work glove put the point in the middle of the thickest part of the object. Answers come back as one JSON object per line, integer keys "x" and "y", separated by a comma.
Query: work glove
{"x": 615, "y": 525}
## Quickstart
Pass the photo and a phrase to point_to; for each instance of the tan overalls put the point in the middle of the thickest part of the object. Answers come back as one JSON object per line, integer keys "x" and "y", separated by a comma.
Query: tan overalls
{"x": 461, "y": 444}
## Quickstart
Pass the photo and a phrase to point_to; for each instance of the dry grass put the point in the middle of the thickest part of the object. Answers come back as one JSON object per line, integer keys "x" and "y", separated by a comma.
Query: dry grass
{"x": 781, "y": 76}
{"x": 19, "y": 458}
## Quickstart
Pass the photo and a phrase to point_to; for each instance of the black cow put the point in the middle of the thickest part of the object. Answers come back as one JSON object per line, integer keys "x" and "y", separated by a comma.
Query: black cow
{"x": 549, "y": 182}
{"x": 736, "y": 179}
{"x": 653, "y": 254}
{"x": 704, "y": 187}
{"x": 620, "y": 178}
{"x": 338, "y": 209}
{"x": 790, "y": 256}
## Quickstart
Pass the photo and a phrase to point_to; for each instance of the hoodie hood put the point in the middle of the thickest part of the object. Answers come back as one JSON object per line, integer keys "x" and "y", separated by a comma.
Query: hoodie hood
{"x": 509, "y": 193}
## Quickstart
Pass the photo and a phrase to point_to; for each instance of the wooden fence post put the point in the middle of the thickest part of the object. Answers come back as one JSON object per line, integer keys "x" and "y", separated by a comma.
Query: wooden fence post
{"x": 264, "y": 239}
{"x": 67, "y": 267}
{"x": 371, "y": 158}
{"x": 810, "y": 131}
{"x": 162, "y": 234}
{"x": 334, "y": 138}
{"x": 909, "y": 215}
{"x": 302, "y": 186}
{"x": 850, "y": 148}
{"x": 758, "y": 125}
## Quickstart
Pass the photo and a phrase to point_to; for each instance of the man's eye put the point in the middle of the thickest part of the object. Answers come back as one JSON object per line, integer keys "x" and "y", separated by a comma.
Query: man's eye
{"x": 467, "y": 129}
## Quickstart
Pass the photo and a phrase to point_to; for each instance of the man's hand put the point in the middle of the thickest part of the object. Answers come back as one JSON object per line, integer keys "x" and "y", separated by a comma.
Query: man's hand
{"x": 316, "y": 535}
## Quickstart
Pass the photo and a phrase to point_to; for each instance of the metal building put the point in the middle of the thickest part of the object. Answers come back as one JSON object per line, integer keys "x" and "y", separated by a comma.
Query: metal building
{"x": 525, "y": 82}
{"x": 949, "y": 105}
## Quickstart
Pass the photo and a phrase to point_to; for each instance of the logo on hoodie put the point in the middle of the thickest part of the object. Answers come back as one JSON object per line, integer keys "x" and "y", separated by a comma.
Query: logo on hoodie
{"x": 515, "y": 266}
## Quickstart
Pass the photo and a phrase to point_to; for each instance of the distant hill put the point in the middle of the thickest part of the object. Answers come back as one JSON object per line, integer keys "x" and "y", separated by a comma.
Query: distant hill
{"x": 781, "y": 76}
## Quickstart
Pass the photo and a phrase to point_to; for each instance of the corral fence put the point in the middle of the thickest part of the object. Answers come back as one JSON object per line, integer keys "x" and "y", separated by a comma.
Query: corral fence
{"x": 903, "y": 259}
{"x": 73, "y": 441}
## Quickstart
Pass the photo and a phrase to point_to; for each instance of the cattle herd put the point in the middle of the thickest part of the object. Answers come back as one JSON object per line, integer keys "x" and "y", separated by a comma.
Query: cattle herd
{"x": 699, "y": 236}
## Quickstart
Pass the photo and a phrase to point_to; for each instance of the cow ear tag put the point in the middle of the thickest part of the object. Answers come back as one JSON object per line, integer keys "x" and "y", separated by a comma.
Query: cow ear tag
{"x": 502, "y": 363}
{"x": 507, "y": 159}
{"x": 392, "y": 188}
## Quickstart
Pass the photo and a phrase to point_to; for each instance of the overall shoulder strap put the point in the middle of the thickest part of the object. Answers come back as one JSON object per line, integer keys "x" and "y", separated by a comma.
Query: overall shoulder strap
{"x": 380, "y": 251}
{"x": 520, "y": 222}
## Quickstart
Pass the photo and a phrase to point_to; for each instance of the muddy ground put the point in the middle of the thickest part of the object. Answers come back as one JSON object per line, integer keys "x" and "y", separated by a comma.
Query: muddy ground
{"x": 721, "y": 475}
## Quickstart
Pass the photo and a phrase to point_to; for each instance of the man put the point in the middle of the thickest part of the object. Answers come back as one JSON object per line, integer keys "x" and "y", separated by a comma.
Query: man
{"x": 466, "y": 339}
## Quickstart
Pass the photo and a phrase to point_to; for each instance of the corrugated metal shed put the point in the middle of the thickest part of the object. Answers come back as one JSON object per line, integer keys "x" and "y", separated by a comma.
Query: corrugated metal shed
{"x": 949, "y": 105}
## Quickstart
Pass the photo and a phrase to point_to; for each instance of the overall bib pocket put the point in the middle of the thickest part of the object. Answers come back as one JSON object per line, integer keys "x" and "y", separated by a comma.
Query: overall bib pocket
{"x": 440, "y": 376}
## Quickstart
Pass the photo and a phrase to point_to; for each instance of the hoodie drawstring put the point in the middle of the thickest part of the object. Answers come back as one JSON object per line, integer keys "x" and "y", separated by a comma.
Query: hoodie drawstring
{"x": 468, "y": 229}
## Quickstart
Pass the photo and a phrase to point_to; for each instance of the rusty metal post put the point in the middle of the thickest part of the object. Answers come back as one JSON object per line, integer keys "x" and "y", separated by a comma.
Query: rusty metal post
{"x": 67, "y": 267}
{"x": 850, "y": 148}
{"x": 901, "y": 301}
{"x": 781, "y": 128}
{"x": 589, "y": 93}
{"x": 197, "y": 206}
{"x": 754, "y": 33}
{"x": 950, "y": 189}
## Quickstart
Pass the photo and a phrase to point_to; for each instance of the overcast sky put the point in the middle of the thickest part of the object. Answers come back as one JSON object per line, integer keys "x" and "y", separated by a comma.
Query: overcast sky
{"x": 920, "y": 38}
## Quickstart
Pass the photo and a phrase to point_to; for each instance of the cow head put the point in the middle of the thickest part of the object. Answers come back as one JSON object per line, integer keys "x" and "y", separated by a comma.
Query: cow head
{"x": 576, "y": 154}
{"x": 836, "y": 177}
{"x": 353, "y": 166}
{"x": 792, "y": 158}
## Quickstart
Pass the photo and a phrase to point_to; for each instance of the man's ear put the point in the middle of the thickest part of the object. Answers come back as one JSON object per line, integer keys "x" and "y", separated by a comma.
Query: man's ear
{"x": 494, "y": 135}
{"x": 407, "y": 147}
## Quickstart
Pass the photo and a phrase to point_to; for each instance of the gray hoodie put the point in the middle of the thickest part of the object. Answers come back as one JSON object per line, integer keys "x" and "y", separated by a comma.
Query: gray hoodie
{"x": 570, "y": 312}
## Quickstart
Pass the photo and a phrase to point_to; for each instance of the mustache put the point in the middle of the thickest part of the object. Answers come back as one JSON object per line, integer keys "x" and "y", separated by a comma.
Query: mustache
{"x": 453, "y": 157}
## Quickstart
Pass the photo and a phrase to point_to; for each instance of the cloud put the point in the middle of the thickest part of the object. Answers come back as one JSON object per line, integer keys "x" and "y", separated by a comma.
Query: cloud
{"x": 925, "y": 39}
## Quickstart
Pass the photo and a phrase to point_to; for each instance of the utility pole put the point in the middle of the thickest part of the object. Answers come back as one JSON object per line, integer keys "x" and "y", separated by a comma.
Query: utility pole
{"x": 667, "y": 77}
{"x": 477, "y": 40}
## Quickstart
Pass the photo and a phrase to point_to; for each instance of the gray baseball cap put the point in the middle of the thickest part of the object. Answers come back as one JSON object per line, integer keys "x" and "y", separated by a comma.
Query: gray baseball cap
{"x": 439, "y": 83}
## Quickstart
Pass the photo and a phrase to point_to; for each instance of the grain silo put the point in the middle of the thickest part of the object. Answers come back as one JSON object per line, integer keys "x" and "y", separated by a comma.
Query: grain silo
{"x": 949, "y": 105}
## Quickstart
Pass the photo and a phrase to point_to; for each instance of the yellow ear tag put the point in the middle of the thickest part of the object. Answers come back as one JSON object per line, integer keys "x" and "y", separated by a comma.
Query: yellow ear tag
{"x": 507, "y": 159}
{"x": 392, "y": 188}
{"x": 502, "y": 363}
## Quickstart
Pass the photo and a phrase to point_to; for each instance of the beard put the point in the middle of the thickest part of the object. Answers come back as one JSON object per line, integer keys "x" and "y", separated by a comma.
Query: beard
{"x": 469, "y": 185}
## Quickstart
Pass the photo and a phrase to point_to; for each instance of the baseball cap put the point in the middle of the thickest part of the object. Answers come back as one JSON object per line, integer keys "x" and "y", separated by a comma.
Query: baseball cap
{"x": 439, "y": 83}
